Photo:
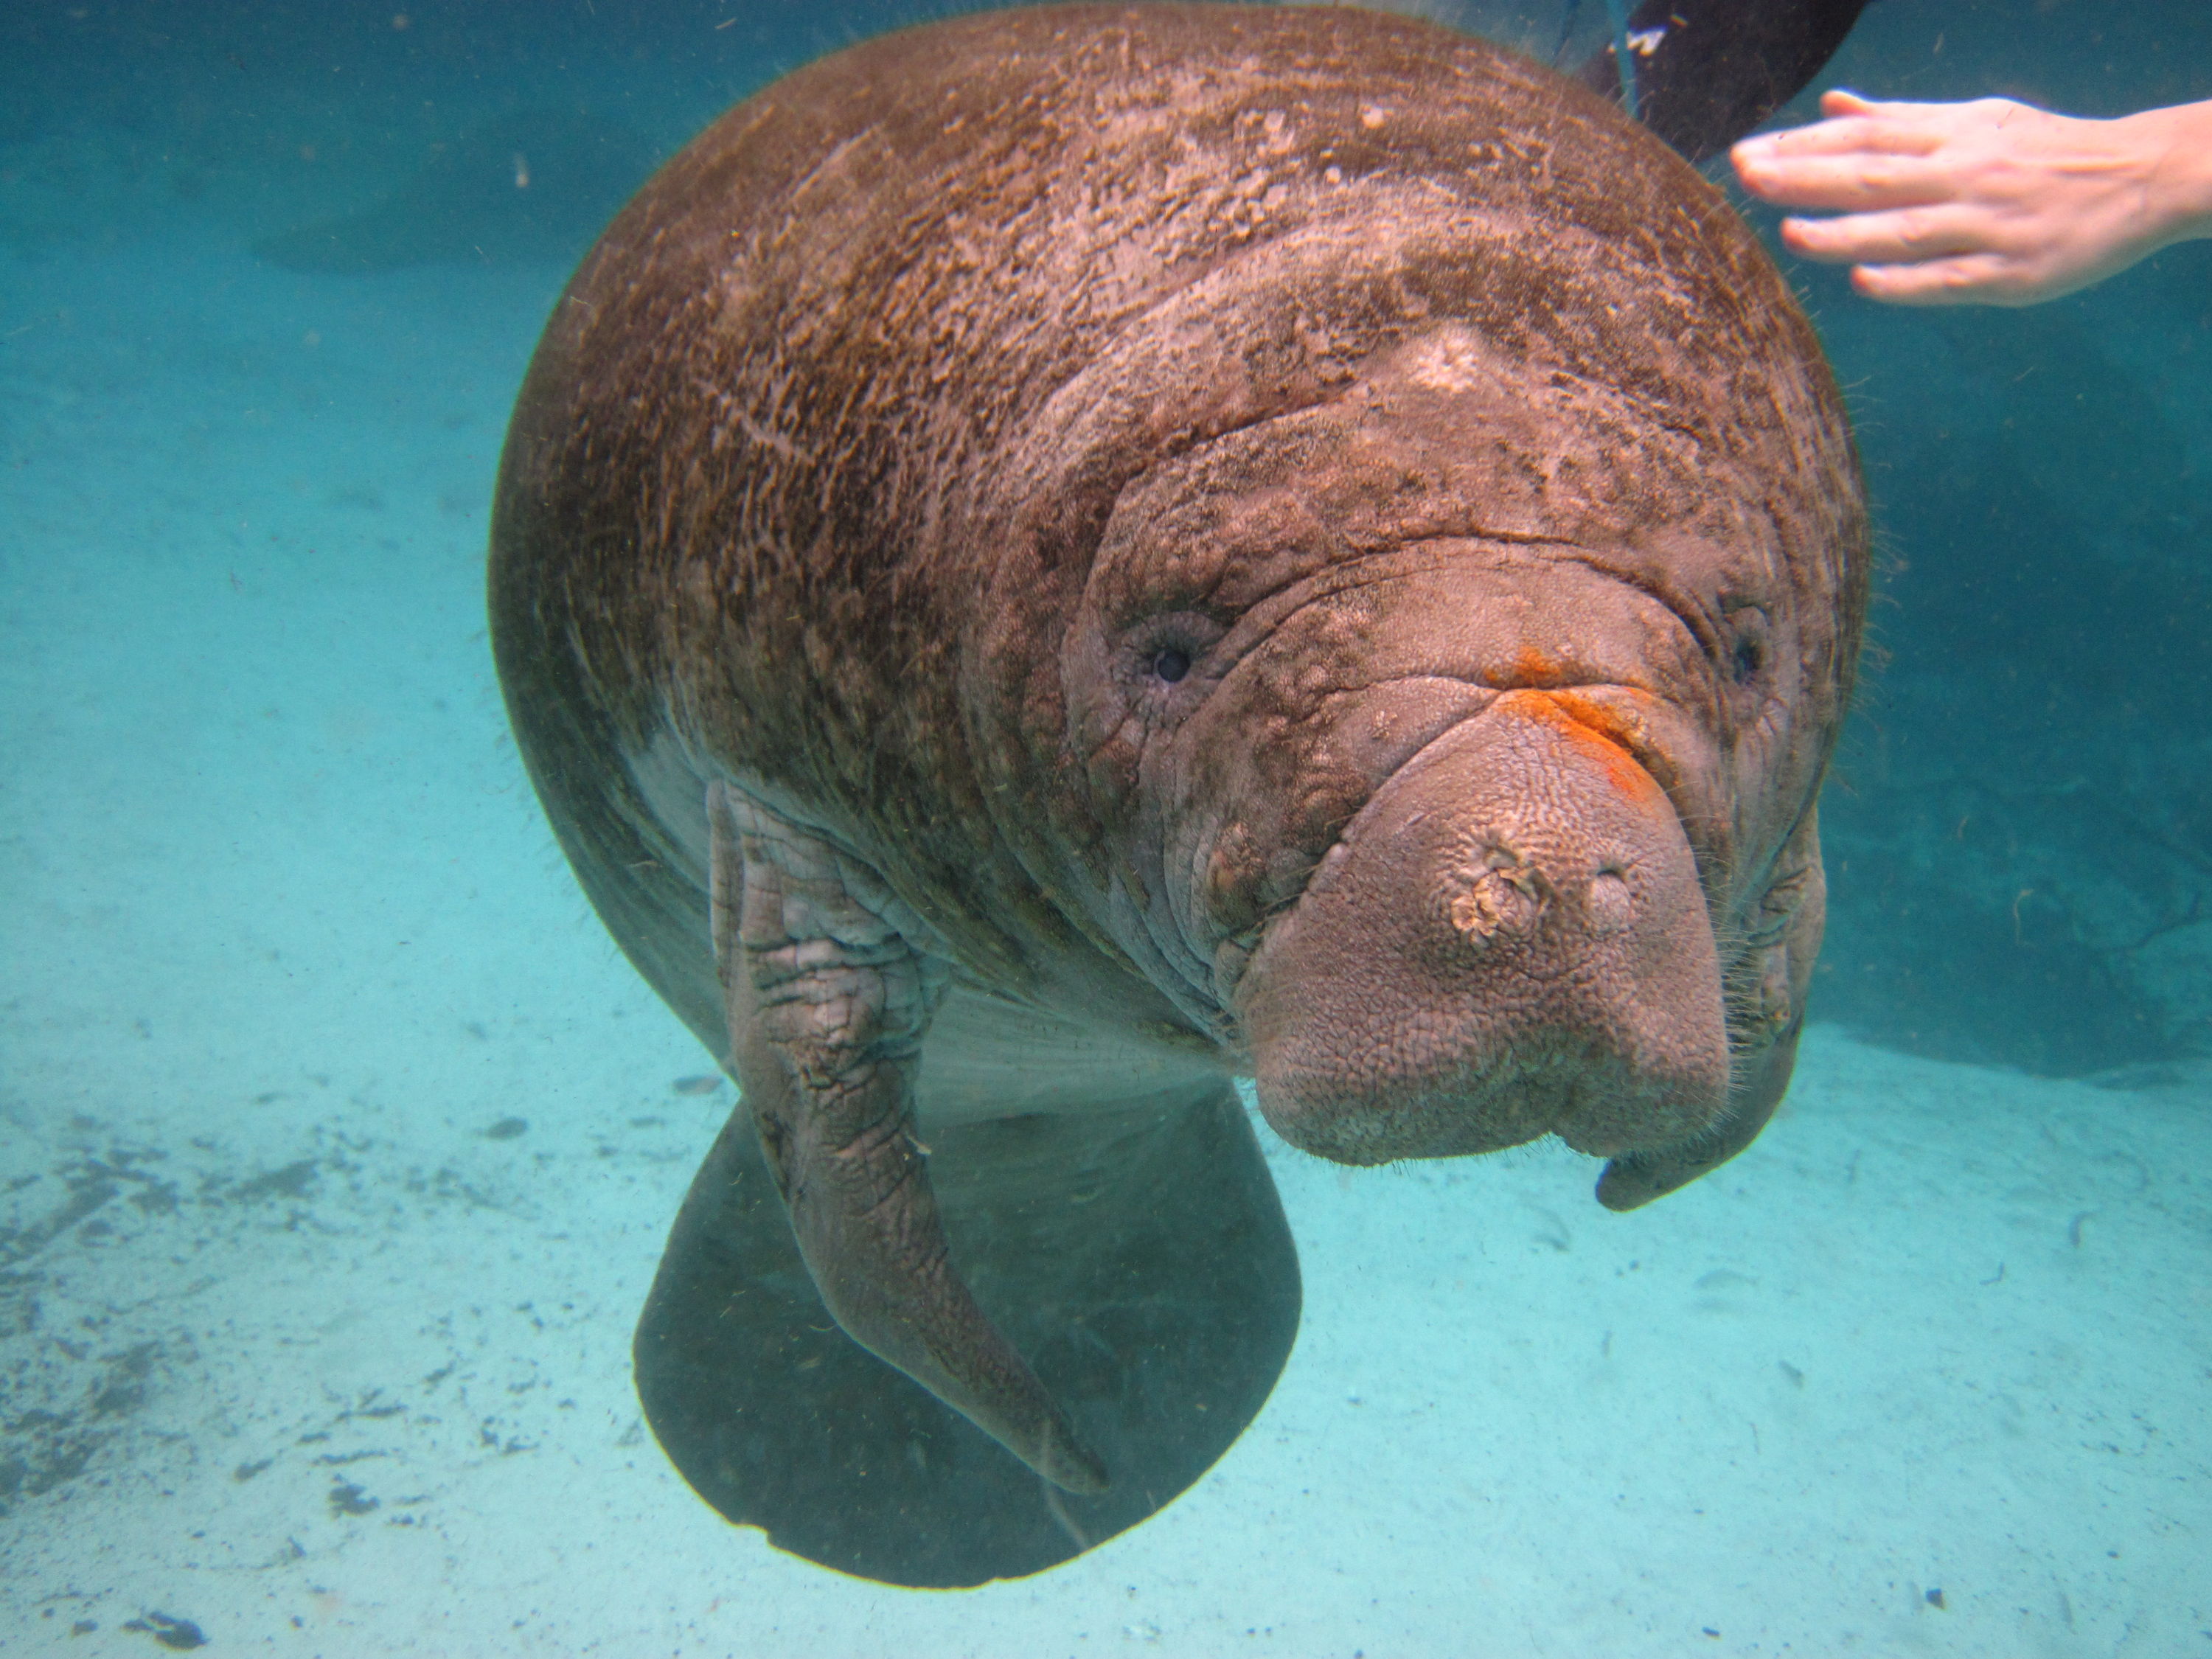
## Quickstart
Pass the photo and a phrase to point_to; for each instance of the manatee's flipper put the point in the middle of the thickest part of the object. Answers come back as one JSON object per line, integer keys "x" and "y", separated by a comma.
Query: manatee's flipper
{"x": 827, "y": 1004}
{"x": 1139, "y": 1259}
{"x": 1708, "y": 72}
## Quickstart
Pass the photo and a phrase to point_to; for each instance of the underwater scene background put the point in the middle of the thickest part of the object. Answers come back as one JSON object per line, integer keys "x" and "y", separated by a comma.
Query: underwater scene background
{"x": 337, "y": 1143}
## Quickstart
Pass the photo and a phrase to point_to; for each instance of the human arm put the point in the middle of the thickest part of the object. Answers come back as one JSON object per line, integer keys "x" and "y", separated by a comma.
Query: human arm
{"x": 1991, "y": 201}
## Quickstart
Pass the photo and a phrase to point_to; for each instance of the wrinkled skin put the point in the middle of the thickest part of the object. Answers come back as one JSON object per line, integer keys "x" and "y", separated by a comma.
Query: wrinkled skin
{"x": 1184, "y": 542}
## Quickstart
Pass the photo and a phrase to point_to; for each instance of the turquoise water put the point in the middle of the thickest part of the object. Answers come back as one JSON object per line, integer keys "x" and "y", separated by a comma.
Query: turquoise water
{"x": 339, "y": 1144}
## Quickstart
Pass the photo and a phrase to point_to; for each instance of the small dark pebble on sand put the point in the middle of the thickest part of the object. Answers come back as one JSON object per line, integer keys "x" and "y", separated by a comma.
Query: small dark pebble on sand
{"x": 347, "y": 1498}
{"x": 507, "y": 1128}
{"x": 704, "y": 1084}
{"x": 1934, "y": 1598}
{"x": 169, "y": 1633}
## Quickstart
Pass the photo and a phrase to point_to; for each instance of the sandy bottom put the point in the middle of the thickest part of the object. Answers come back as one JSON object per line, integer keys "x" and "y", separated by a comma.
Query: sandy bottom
{"x": 336, "y": 1145}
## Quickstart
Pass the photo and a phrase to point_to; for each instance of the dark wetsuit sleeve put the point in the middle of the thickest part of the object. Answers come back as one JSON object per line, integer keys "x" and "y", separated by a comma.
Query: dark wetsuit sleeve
{"x": 1708, "y": 72}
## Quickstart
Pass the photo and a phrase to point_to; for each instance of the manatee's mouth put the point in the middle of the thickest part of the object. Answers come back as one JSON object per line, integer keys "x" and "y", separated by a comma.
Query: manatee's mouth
{"x": 1508, "y": 940}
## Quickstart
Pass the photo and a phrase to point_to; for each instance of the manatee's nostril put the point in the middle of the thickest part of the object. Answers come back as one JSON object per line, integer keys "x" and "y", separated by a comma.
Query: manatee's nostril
{"x": 1606, "y": 904}
{"x": 1503, "y": 895}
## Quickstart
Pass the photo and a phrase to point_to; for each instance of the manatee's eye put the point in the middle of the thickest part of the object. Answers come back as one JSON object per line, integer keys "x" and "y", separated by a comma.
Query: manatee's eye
{"x": 1160, "y": 651}
{"x": 1748, "y": 636}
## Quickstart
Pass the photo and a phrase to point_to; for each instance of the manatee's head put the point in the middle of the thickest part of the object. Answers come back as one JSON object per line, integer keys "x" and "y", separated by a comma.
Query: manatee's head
{"x": 1435, "y": 579}
{"x": 1455, "y": 727}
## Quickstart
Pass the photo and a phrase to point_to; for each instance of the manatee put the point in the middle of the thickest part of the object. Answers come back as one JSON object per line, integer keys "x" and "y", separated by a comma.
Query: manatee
{"x": 1055, "y": 561}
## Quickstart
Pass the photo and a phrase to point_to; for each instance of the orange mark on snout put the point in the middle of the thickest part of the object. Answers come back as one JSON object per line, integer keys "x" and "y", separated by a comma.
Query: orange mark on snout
{"x": 1532, "y": 667}
{"x": 1603, "y": 735}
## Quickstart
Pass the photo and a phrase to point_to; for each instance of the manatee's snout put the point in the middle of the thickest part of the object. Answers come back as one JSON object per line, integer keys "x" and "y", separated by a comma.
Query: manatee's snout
{"x": 1511, "y": 940}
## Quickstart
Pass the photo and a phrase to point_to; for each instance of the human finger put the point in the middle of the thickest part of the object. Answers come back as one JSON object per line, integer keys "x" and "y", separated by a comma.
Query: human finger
{"x": 1968, "y": 279}
{"x": 1852, "y": 183}
{"x": 1884, "y": 238}
{"x": 1845, "y": 134}
{"x": 1839, "y": 101}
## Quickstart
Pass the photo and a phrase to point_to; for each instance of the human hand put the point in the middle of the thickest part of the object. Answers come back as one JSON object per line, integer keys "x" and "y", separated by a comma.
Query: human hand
{"x": 1991, "y": 201}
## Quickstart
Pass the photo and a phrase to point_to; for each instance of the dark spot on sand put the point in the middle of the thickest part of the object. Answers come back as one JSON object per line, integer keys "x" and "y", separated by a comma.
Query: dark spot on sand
{"x": 347, "y": 1498}
{"x": 169, "y": 1633}
{"x": 290, "y": 1181}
